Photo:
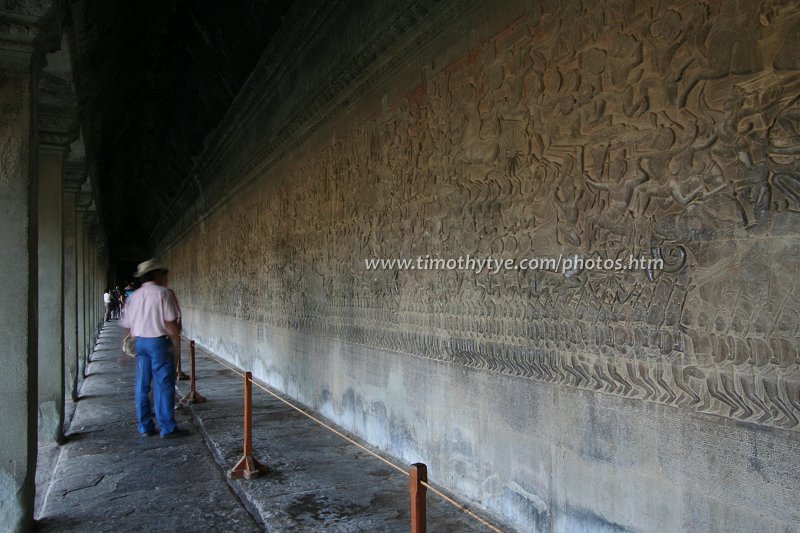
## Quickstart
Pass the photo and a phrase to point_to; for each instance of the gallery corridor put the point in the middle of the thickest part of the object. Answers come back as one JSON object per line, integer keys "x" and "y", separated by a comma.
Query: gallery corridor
{"x": 548, "y": 249}
{"x": 106, "y": 477}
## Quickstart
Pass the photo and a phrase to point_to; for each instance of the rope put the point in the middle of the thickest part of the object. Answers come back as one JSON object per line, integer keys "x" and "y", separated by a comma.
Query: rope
{"x": 451, "y": 501}
{"x": 317, "y": 420}
{"x": 433, "y": 489}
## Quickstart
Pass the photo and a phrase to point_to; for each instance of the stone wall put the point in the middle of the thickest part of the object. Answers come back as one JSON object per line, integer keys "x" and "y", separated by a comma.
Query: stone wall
{"x": 566, "y": 400}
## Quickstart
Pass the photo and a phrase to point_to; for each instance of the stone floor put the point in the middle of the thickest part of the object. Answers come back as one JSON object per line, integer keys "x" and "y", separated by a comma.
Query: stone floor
{"x": 106, "y": 477}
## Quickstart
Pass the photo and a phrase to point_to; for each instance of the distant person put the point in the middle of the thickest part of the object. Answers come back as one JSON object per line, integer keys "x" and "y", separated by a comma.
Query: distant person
{"x": 116, "y": 303}
{"x": 107, "y": 304}
{"x": 152, "y": 316}
{"x": 130, "y": 288}
{"x": 126, "y": 295}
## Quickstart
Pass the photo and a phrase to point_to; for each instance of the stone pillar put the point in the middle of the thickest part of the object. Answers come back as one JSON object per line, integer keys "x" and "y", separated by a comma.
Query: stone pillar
{"x": 80, "y": 287}
{"x": 88, "y": 297}
{"x": 102, "y": 274}
{"x": 94, "y": 297}
{"x": 74, "y": 176}
{"x": 18, "y": 291}
{"x": 55, "y": 126}
{"x": 87, "y": 317}
{"x": 84, "y": 200}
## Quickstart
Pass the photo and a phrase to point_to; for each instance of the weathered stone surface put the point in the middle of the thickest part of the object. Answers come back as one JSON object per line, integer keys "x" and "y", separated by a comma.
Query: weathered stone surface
{"x": 316, "y": 480}
{"x": 108, "y": 478}
{"x": 18, "y": 283}
{"x": 666, "y": 130}
{"x": 496, "y": 156}
{"x": 75, "y": 175}
{"x": 51, "y": 322}
{"x": 537, "y": 455}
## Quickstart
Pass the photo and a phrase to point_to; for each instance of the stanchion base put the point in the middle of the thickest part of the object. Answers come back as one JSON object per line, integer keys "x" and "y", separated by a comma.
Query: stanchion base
{"x": 247, "y": 468}
{"x": 180, "y": 376}
{"x": 192, "y": 397}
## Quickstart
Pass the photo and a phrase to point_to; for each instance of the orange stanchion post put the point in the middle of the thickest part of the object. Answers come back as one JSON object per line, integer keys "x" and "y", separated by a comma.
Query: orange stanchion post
{"x": 179, "y": 374}
{"x": 193, "y": 396}
{"x": 417, "y": 474}
{"x": 247, "y": 467}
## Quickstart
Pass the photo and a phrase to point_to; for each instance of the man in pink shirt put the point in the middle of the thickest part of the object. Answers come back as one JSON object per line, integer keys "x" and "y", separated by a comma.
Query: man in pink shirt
{"x": 152, "y": 316}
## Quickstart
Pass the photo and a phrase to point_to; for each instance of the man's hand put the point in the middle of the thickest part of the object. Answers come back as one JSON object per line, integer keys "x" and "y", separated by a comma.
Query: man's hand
{"x": 176, "y": 345}
{"x": 175, "y": 337}
{"x": 129, "y": 351}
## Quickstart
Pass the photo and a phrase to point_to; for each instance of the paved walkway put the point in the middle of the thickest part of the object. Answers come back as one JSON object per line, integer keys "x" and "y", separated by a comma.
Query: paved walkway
{"x": 108, "y": 478}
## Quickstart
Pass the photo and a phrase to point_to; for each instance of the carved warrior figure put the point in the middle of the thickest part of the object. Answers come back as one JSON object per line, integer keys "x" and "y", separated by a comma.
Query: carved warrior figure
{"x": 660, "y": 130}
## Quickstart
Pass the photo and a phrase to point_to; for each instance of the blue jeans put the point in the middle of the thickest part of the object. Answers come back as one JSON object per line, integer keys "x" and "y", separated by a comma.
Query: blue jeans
{"x": 154, "y": 360}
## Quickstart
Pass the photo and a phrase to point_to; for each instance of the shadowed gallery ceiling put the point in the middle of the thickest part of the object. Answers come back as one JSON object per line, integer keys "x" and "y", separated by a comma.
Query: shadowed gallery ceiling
{"x": 154, "y": 78}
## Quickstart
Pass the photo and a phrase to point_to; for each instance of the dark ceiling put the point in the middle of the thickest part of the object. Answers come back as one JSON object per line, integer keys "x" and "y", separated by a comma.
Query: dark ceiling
{"x": 154, "y": 78}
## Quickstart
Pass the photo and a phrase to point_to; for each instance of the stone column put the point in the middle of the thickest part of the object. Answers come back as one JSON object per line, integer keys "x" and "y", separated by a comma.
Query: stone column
{"x": 94, "y": 297}
{"x": 102, "y": 274}
{"x": 74, "y": 176}
{"x": 96, "y": 293}
{"x": 18, "y": 244}
{"x": 88, "y": 297}
{"x": 55, "y": 126}
{"x": 84, "y": 201}
{"x": 90, "y": 294}
{"x": 81, "y": 287}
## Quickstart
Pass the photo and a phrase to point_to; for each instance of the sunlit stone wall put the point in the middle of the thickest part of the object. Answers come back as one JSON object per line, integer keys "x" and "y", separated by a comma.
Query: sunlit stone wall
{"x": 574, "y": 398}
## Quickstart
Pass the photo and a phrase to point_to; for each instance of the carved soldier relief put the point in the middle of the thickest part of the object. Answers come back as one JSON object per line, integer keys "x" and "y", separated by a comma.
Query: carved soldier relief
{"x": 650, "y": 129}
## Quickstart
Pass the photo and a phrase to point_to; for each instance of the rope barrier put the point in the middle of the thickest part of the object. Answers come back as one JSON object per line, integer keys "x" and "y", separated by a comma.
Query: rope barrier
{"x": 439, "y": 493}
{"x": 192, "y": 396}
{"x": 317, "y": 420}
{"x": 451, "y": 501}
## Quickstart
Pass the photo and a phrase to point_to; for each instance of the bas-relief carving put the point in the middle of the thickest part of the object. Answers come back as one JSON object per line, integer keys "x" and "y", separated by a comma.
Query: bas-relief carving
{"x": 668, "y": 129}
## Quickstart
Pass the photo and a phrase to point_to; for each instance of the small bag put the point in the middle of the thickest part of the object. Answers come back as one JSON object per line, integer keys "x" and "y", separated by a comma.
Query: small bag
{"x": 129, "y": 346}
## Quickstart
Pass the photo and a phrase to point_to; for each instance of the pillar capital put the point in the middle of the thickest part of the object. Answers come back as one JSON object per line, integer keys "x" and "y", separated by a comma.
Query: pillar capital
{"x": 75, "y": 173}
{"x": 57, "y": 110}
{"x": 58, "y": 127}
{"x": 85, "y": 201}
{"x": 20, "y": 23}
{"x": 90, "y": 223}
{"x": 92, "y": 229}
{"x": 98, "y": 238}
{"x": 89, "y": 219}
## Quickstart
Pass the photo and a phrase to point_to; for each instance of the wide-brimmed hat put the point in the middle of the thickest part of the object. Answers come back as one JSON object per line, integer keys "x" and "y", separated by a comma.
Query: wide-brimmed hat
{"x": 149, "y": 266}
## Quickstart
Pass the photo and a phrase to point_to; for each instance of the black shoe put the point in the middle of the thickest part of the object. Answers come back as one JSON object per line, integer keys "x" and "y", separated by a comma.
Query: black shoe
{"x": 176, "y": 433}
{"x": 149, "y": 433}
